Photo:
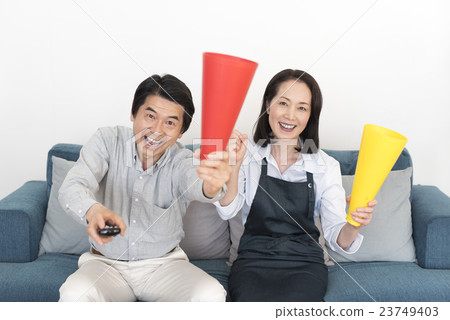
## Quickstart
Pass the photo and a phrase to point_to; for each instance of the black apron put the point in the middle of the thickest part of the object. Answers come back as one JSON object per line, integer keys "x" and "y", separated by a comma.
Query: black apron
{"x": 279, "y": 258}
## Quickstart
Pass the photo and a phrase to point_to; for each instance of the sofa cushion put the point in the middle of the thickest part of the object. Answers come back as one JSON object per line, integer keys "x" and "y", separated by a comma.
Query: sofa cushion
{"x": 61, "y": 233}
{"x": 388, "y": 237}
{"x": 37, "y": 281}
{"x": 386, "y": 281}
{"x": 206, "y": 235}
{"x": 66, "y": 151}
{"x": 348, "y": 159}
{"x": 431, "y": 225}
{"x": 22, "y": 218}
{"x": 216, "y": 268}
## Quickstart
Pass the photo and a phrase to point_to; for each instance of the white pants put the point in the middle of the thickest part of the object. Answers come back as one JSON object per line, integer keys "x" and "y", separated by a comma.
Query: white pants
{"x": 169, "y": 278}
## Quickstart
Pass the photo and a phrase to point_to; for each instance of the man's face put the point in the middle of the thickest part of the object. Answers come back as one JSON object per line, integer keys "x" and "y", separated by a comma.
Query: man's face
{"x": 156, "y": 127}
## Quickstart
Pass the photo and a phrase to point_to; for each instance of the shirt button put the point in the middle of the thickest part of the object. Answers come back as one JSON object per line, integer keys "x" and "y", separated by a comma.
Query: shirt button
{"x": 136, "y": 199}
{"x": 134, "y": 221}
{"x": 140, "y": 178}
{"x": 132, "y": 243}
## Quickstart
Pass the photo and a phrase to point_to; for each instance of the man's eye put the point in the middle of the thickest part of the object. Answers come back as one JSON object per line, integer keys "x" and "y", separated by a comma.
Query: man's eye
{"x": 170, "y": 123}
{"x": 151, "y": 116}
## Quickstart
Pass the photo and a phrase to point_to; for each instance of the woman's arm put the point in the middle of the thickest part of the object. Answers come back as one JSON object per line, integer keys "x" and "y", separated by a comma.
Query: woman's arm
{"x": 236, "y": 149}
{"x": 340, "y": 235}
{"x": 349, "y": 232}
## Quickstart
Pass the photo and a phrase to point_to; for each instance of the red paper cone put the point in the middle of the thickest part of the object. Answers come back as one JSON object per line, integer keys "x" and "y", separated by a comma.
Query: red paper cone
{"x": 226, "y": 80}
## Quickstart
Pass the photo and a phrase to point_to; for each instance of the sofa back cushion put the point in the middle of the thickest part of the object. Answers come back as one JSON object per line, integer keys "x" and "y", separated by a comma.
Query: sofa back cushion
{"x": 61, "y": 233}
{"x": 69, "y": 152}
{"x": 388, "y": 237}
{"x": 349, "y": 158}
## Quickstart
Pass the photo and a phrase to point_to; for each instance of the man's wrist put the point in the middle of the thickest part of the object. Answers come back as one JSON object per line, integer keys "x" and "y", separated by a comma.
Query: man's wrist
{"x": 92, "y": 211}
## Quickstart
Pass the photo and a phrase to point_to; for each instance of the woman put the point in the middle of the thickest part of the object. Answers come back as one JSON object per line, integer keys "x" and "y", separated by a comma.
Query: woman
{"x": 283, "y": 184}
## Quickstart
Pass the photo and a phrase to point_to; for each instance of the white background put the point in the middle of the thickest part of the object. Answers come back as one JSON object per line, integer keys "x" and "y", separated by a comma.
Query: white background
{"x": 69, "y": 67}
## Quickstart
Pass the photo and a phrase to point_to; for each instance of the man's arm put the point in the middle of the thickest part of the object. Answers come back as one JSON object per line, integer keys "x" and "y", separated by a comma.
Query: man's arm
{"x": 204, "y": 187}
{"x": 77, "y": 193}
{"x": 215, "y": 171}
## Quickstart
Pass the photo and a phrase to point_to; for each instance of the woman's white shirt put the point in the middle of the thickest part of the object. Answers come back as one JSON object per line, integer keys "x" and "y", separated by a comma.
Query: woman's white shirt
{"x": 329, "y": 193}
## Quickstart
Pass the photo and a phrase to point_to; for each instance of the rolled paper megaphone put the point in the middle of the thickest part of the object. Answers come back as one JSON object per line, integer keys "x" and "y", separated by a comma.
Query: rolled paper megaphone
{"x": 226, "y": 80}
{"x": 380, "y": 149}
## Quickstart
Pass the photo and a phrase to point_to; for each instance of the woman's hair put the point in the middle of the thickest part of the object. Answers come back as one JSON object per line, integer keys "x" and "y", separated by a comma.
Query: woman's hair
{"x": 311, "y": 132}
{"x": 167, "y": 87}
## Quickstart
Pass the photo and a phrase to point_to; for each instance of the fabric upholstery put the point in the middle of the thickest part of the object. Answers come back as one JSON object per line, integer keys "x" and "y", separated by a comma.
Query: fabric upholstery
{"x": 388, "y": 237}
{"x": 386, "y": 281}
{"x": 206, "y": 234}
{"x": 66, "y": 151}
{"x": 37, "y": 281}
{"x": 22, "y": 217}
{"x": 61, "y": 233}
{"x": 431, "y": 225}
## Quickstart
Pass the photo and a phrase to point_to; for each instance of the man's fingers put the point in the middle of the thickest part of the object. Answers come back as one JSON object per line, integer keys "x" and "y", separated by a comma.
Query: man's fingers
{"x": 93, "y": 233}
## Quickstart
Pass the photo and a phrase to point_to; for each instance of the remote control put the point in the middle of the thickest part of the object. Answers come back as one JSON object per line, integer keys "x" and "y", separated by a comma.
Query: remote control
{"x": 109, "y": 231}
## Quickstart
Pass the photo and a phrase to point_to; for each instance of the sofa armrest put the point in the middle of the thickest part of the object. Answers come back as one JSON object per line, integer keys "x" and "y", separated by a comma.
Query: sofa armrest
{"x": 431, "y": 226}
{"x": 22, "y": 218}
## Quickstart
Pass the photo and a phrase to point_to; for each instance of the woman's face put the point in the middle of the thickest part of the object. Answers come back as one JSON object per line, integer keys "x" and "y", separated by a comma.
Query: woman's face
{"x": 289, "y": 110}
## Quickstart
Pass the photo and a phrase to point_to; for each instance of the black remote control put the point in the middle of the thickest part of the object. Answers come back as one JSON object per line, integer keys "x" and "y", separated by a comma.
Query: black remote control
{"x": 109, "y": 231}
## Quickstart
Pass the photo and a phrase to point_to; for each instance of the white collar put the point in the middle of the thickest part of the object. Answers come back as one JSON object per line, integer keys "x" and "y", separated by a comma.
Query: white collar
{"x": 310, "y": 162}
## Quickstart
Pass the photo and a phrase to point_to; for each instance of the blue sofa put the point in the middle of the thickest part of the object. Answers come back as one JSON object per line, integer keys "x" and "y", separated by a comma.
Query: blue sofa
{"x": 25, "y": 276}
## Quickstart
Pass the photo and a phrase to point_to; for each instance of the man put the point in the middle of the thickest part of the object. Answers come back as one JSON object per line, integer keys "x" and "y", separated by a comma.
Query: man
{"x": 142, "y": 181}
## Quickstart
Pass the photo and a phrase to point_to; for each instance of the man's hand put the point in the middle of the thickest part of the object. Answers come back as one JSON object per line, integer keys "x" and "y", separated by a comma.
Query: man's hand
{"x": 215, "y": 171}
{"x": 97, "y": 217}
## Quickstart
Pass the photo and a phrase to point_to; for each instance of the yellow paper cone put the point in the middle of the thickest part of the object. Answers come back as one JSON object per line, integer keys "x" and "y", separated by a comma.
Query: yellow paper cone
{"x": 380, "y": 149}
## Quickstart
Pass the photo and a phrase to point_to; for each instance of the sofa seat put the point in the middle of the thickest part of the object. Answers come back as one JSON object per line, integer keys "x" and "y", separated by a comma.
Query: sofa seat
{"x": 38, "y": 280}
{"x": 387, "y": 282}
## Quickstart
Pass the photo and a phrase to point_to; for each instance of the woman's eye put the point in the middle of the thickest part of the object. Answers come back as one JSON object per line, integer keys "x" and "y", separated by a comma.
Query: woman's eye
{"x": 283, "y": 103}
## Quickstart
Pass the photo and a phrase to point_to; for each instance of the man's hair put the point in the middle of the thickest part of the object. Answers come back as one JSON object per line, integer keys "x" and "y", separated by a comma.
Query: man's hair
{"x": 311, "y": 132}
{"x": 167, "y": 87}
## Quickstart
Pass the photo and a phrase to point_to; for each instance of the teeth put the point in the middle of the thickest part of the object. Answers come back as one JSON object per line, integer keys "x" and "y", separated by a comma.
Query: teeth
{"x": 153, "y": 141}
{"x": 287, "y": 126}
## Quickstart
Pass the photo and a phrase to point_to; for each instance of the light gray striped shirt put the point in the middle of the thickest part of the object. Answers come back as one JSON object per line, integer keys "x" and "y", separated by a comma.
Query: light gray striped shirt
{"x": 152, "y": 203}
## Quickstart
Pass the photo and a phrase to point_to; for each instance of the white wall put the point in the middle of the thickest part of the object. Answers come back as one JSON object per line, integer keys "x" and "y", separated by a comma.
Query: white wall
{"x": 69, "y": 67}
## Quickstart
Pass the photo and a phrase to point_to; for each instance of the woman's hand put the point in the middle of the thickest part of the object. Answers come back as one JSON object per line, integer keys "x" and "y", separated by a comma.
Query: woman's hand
{"x": 363, "y": 215}
{"x": 237, "y": 146}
